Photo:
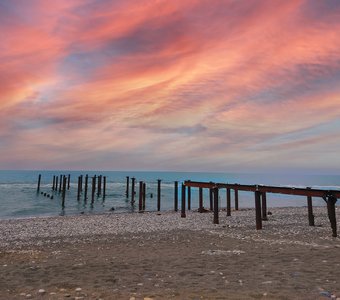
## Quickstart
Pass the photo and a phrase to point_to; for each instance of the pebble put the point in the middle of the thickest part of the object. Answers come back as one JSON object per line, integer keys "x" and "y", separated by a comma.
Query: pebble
{"x": 78, "y": 289}
{"x": 41, "y": 291}
{"x": 132, "y": 298}
{"x": 22, "y": 294}
{"x": 78, "y": 298}
{"x": 140, "y": 284}
{"x": 28, "y": 296}
{"x": 53, "y": 293}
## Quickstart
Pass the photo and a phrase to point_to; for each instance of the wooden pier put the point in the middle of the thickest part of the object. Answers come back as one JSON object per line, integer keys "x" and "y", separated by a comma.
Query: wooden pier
{"x": 329, "y": 196}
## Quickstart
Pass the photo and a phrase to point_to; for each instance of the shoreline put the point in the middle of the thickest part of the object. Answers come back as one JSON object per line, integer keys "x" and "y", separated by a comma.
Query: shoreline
{"x": 132, "y": 255}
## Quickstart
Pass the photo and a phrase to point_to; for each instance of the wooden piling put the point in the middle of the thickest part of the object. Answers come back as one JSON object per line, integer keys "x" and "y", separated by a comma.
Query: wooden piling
{"x": 159, "y": 195}
{"x": 39, "y": 181}
{"x": 140, "y": 206}
{"x": 127, "y": 186}
{"x": 236, "y": 198}
{"x": 61, "y": 183}
{"x": 216, "y": 220}
{"x": 99, "y": 187}
{"x": 78, "y": 190}
{"x": 189, "y": 198}
{"x": 144, "y": 195}
{"x": 331, "y": 200}
{"x": 53, "y": 184}
{"x": 264, "y": 206}
{"x": 176, "y": 196}
{"x": 310, "y": 210}
{"x": 68, "y": 181}
{"x": 183, "y": 215}
{"x": 228, "y": 202}
{"x": 93, "y": 188}
{"x": 56, "y": 183}
{"x": 133, "y": 180}
{"x": 258, "y": 210}
{"x": 81, "y": 183}
{"x": 200, "y": 200}
{"x": 104, "y": 187}
{"x": 86, "y": 186}
{"x": 63, "y": 191}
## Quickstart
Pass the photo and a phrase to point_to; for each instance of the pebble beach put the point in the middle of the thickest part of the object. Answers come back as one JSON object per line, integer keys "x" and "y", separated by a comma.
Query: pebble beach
{"x": 154, "y": 255}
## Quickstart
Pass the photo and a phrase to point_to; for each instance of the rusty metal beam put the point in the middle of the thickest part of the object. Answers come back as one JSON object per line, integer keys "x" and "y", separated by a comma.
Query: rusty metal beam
{"x": 266, "y": 189}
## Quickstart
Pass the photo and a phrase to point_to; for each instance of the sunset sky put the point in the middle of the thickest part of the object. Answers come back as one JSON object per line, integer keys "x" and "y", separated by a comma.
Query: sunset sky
{"x": 189, "y": 85}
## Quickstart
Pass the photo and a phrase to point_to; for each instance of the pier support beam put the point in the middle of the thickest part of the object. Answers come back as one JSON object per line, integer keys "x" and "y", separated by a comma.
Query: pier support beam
{"x": 258, "y": 210}
{"x": 159, "y": 195}
{"x": 236, "y": 199}
{"x": 68, "y": 181}
{"x": 183, "y": 215}
{"x": 140, "y": 206}
{"x": 39, "y": 181}
{"x": 176, "y": 196}
{"x": 331, "y": 200}
{"x": 53, "y": 185}
{"x": 310, "y": 210}
{"x": 200, "y": 200}
{"x": 228, "y": 202}
{"x": 86, "y": 186}
{"x": 127, "y": 186}
{"x": 264, "y": 206}
{"x": 216, "y": 220}
{"x": 133, "y": 180}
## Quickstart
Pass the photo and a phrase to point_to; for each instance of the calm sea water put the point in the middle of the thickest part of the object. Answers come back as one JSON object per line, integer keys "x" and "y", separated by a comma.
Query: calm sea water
{"x": 19, "y": 199}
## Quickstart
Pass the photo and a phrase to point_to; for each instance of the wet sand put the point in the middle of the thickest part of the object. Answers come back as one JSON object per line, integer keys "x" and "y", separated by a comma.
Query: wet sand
{"x": 162, "y": 256}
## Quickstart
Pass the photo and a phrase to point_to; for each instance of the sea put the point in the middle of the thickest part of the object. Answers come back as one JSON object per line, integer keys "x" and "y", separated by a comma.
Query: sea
{"x": 19, "y": 197}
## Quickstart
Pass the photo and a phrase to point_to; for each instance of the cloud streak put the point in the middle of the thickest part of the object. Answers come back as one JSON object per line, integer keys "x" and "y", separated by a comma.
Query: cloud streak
{"x": 177, "y": 85}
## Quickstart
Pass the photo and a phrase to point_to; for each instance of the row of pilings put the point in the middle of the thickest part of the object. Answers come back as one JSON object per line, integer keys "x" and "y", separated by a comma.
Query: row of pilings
{"x": 99, "y": 188}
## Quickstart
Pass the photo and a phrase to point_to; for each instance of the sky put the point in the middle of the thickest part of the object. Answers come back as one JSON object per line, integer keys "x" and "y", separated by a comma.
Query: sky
{"x": 189, "y": 85}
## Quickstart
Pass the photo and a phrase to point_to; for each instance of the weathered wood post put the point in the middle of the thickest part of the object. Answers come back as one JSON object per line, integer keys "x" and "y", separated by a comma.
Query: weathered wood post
{"x": 200, "y": 200}
{"x": 331, "y": 200}
{"x": 144, "y": 195}
{"x": 39, "y": 181}
{"x": 56, "y": 183}
{"x": 127, "y": 186}
{"x": 189, "y": 197}
{"x": 183, "y": 215}
{"x": 258, "y": 210}
{"x": 99, "y": 188}
{"x": 61, "y": 183}
{"x": 63, "y": 191}
{"x": 93, "y": 188}
{"x": 86, "y": 186}
{"x": 159, "y": 195}
{"x": 140, "y": 206}
{"x": 264, "y": 206}
{"x": 216, "y": 221}
{"x": 310, "y": 210}
{"x": 211, "y": 199}
{"x": 236, "y": 199}
{"x": 104, "y": 187}
{"x": 228, "y": 202}
{"x": 53, "y": 185}
{"x": 176, "y": 196}
{"x": 133, "y": 180}
{"x": 81, "y": 183}
{"x": 68, "y": 181}
{"x": 78, "y": 190}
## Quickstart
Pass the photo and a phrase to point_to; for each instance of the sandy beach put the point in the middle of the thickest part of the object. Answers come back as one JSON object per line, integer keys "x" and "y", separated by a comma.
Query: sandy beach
{"x": 162, "y": 256}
